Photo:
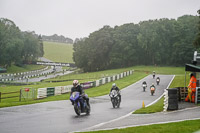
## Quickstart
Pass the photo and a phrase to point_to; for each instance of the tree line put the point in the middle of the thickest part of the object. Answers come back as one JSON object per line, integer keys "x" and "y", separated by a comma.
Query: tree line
{"x": 154, "y": 42}
{"x": 17, "y": 47}
{"x": 56, "y": 38}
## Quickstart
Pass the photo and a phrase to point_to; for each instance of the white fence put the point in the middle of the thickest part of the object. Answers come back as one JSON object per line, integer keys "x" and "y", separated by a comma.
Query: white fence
{"x": 43, "y": 92}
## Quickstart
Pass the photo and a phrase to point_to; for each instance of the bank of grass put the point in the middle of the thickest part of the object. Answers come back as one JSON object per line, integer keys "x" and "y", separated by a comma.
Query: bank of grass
{"x": 175, "y": 127}
{"x": 24, "y": 68}
{"x": 157, "y": 107}
{"x": 90, "y": 76}
{"x": 58, "y": 52}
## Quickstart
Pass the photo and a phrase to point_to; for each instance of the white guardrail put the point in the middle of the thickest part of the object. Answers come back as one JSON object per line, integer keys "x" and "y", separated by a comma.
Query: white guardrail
{"x": 23, "y": 75}
{"x": 43, "y": 92}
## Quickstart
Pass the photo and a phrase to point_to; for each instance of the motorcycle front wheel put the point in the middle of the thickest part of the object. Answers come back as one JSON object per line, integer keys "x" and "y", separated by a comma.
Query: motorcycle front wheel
{"x": 77, "y": 109}
{"x": 118, "y": 103}
{"x": 113, "y": 102}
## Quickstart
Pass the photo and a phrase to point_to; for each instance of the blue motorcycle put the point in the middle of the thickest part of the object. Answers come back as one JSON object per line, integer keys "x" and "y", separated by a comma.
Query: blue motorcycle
{"x": 80, "y": 105}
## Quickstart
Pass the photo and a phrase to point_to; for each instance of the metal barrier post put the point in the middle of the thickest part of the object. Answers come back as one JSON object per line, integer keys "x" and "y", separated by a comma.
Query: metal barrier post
{"x": 20, "y": 94}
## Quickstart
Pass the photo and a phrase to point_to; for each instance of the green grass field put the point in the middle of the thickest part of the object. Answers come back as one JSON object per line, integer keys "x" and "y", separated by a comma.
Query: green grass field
{"x": 58, "y": 52}
{"x": 175, "y": 127}
{"x": 25, "y": 68}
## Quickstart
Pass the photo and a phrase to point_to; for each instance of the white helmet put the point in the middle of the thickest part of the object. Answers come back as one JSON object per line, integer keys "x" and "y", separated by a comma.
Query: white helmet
{"x": 75, "y": 83}
{"x": 114, "y": 85}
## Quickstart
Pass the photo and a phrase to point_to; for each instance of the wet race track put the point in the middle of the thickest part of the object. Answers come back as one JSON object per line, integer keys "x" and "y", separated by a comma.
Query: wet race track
{"x": 59, "y": 116}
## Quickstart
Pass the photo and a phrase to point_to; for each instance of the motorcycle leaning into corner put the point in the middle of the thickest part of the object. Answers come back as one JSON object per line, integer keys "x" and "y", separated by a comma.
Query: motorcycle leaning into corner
{"x": 115, "y": 99}
{"x": 79, "y": 103}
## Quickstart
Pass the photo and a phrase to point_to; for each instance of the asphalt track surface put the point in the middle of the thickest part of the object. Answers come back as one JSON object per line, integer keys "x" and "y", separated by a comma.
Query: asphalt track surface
{"x": 134, "y": 120}
{"x": 59, "y": 116}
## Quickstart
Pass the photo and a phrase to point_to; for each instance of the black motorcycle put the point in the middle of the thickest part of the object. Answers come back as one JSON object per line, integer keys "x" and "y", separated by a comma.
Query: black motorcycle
{"x": 115, "y": 99}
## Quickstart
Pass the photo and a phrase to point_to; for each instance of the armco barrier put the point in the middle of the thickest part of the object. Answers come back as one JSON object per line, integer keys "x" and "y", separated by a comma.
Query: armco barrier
{"x": 50, "y": 91}
{"x": 109, "y": 79}
{"x": 45, "y": 92}
{"x": 117, "y": 76}
{"x": 42, "y": 93}
{"x": 87, "y": 85}
{"x": 103, "y": 80}
{"x": 58, "y": 90}
{"x": 67, "y": 89}
{"x": 122, "y": 75}
{"x": 97, "y": 83}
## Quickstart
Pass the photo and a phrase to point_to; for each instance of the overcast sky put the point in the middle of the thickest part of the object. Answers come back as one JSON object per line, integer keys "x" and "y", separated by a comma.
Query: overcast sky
{"x": 79, "y": 18}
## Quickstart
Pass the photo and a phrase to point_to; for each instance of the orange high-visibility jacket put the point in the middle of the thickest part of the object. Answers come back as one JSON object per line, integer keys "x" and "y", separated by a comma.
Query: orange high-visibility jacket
{"x": 193, "y": 83}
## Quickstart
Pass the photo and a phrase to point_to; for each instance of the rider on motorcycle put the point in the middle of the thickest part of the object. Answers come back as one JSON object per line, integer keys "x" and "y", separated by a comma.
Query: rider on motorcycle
{"x": 78, "y": 88}
{"x": 158, "y": 80}
{"x": 144, "y": 85}
{"x": 114, "y": 87}
{"x": 152, "y": 85}
{"x": 154, "y": 73}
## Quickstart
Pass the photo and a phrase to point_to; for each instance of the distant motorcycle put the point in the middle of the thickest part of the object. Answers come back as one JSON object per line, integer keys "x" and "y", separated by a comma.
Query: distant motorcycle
{"x": 152, "y": 89}
{"x": 158, "y": 80}
{"x": 115, "y": 98}
{"x": 153, "y": 76}
{"x": 80, "y": 105}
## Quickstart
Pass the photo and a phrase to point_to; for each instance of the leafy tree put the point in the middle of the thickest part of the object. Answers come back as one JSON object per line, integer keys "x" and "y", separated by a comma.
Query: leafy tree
{"x": 197, "y": 39}
{"x": 153, "y": 42}
{"x": 16, "y": 46}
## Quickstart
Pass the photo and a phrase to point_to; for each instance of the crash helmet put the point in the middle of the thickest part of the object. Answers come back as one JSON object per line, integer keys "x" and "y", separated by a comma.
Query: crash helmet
{"x": 75, "y": 83}
{"x": 113, "y": 85}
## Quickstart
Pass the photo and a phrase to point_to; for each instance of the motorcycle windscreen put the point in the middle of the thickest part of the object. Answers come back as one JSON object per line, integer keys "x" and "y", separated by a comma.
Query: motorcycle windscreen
{"x": 75, "y": 95}
{"x": 113, "y": 93}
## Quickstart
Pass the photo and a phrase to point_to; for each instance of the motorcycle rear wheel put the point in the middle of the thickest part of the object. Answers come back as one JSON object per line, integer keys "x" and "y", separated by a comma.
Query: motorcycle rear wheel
{"x": 152, "y": 93}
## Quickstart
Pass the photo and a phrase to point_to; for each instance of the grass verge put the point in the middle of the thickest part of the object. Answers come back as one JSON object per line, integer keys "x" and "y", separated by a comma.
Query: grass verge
{"x": 175, "y": 127}
{"x": 24, "y": 68}
{"x": 157, "y": 107}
